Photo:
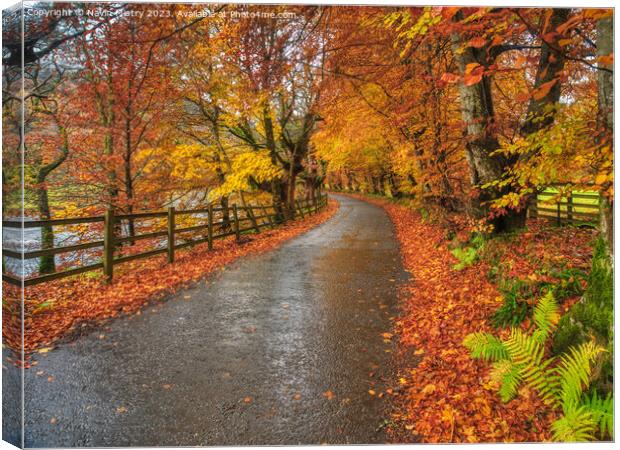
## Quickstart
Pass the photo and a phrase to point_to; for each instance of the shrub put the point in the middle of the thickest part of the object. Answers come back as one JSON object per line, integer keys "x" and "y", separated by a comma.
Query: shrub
{"x": 515, "y": 308}
{"x": 592, "y": 316}
{"x": 468, "y": 255}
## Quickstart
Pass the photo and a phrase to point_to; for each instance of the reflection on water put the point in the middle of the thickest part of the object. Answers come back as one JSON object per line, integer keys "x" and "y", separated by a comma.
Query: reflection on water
{"x": 12, "y": 240}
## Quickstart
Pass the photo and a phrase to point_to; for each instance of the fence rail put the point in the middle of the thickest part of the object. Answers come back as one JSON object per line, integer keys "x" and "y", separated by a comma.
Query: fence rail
{"x": 574, "y": 208}
{"x": 213, "y": 227}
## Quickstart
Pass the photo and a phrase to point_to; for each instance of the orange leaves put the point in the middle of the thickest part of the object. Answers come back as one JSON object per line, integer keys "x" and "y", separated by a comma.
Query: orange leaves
{"x": 544, "y": 89}
{"x": 443, "y": 397}
{"x": 606, "y": 60}
{"x": 477, "y": 42}
{"x": 329, "y": 395}
{"x": 88, "y": 299}
{"x": 450, "y": 78}
{"x": 473, "y": 74}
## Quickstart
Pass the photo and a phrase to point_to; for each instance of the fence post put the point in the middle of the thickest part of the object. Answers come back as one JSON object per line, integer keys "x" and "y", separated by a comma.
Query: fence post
{"x": 236, "y": 218}
{"x": 250, "y": 213}
{"x": 316, "y": 205}
{"x": 569, "y": 208}
{"x": 108, "y": 244}
{"x": 210, "y": 227}
{"x": 301, "y": 210}
{"x": 559, "y": 215}
{"x": 171, "y": 234}
{"x": 266, "y": 213}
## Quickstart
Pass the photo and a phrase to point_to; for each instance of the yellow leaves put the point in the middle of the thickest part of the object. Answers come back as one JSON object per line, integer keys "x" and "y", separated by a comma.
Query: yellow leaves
{"x": 256, "y": 164}
{"x": 447, "y": 414}
{"x": 429, "y": 389}
{"x": 603, "y": 178}
{"x": 424, "y": 23}
{"x": 121, "y": 409}
{"x": 470, "y": 434}
{"x": 44, "y": 350}
{"x": 371, "y": 392}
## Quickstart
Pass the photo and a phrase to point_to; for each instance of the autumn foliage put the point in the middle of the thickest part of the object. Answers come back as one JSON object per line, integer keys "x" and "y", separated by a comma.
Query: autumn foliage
{"x": 465, "y": 114}
{"x": 444, "y": 395}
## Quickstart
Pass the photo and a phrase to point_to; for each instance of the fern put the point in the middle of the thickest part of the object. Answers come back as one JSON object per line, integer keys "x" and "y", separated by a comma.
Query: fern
{"x": 527, "y": 354}
{"x": 576, "y": 426}
{"x": 559, "y": 382}
{"x": 485, "y": 346}
{"x": 602, "y": 410}
{"x": 546, "y": 316}
{"x": 574, "y": 373}
{"x": 508, "y": 376}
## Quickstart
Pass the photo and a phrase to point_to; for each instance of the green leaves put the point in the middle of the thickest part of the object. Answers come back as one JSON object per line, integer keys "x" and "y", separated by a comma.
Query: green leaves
{"x": 560, "y": 382}
{"x": 485, "y": 346}
{"x": 573, "y": 373}
{"x": 546, "y": 316}
{"x": 602, "y": 410}
{"x": 576, "y": 426}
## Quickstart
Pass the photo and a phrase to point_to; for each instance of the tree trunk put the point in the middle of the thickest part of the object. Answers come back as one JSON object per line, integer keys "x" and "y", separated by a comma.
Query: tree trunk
{"x": 605, "y": 47}
{"x": 478, "y": 116}
{"x": 47, "y": 263}
{"x": 131, "y": 227}
{"x": 550, "y": 65}
{"x": 225, "y": 213}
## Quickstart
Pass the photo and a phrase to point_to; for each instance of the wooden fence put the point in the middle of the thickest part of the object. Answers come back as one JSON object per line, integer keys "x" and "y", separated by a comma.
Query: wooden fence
{"x": 244, "y": 219}
{"x": 574, "y": 209}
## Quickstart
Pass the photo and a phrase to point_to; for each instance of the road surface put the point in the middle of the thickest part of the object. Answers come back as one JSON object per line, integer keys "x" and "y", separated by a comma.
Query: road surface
{"x": 278, "y": 348}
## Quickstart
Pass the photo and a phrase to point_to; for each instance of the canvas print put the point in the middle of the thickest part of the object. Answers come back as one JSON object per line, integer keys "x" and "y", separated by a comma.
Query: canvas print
{"x": 249, "y": 224}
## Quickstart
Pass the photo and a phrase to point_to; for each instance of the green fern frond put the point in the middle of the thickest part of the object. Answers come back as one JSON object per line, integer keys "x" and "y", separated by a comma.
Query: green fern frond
{"x": 485, "y": 346}
{"x": 602, "y": 410}
{"x": 576, "y": 426}
{"x": 574, "y": 373}
{"x": 546, "y": 316}
{"x": 507, "y": 375}
{"x": 528, "y": 353}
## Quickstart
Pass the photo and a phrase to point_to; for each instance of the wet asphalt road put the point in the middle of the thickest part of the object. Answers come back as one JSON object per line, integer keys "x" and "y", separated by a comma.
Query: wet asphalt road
{"x": 244, "y": 358}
